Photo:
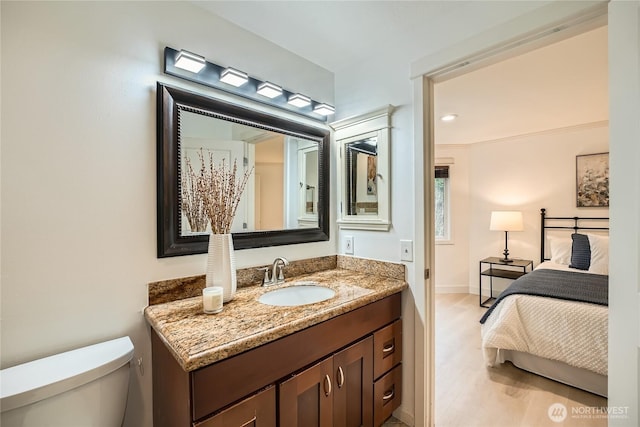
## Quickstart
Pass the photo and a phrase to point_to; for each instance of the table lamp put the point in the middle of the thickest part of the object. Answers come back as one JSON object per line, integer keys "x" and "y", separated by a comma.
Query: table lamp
{"x": 506, "y": 221}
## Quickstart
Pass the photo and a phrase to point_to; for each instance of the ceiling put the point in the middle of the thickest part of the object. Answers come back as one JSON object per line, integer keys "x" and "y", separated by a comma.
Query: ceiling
{"x": 557, "y": 86}
{"x": 337, "y": 34}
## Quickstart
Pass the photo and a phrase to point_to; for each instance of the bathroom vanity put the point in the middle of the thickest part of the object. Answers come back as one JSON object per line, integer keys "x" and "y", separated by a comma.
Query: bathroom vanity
{"x": 332, "y": 363}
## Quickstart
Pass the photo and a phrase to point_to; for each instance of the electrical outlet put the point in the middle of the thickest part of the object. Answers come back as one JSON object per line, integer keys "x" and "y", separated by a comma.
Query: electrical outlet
{"x": 348, "y": 245}
{"x": 406, "y": 250}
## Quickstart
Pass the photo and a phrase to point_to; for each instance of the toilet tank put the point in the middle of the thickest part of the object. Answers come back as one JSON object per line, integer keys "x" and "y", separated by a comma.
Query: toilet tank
{"x": 83, "y": 387}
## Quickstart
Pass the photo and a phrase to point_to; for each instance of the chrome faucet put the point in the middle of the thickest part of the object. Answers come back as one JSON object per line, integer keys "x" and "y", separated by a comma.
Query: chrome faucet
{"x": 277, "y": 274}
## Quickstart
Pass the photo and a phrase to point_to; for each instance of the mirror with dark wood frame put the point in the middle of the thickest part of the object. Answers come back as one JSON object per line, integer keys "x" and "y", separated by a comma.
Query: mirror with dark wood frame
{"x": 292, "y": 209}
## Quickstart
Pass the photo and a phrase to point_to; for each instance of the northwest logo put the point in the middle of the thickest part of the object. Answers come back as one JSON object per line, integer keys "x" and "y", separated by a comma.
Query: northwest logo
{"x": 557, "y": 412}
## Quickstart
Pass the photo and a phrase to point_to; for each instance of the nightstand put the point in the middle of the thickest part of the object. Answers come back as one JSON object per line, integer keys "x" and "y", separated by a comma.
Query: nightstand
{"x": 495, "y": 267}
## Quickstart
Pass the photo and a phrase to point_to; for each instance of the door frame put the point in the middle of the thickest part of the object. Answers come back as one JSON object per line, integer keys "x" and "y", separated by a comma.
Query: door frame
{"x": 546, "y": 25}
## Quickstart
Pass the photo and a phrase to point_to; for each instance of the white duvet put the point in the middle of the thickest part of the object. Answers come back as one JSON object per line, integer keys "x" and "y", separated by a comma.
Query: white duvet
{"x": 571, "y": 332}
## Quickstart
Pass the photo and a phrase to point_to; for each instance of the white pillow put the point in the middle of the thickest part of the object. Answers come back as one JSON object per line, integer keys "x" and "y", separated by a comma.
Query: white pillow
{"x": 599, "y": 254}
{"x": 560, "y": 250}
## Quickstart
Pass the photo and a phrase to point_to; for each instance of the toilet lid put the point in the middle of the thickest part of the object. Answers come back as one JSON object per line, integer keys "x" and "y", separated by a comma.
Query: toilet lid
{"x": 37, "y": 380}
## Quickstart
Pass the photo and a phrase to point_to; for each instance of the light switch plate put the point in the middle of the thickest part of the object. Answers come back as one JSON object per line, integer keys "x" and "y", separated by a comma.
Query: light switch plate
{"x": 406, "y": 250}
{"x": 348, "y": 245}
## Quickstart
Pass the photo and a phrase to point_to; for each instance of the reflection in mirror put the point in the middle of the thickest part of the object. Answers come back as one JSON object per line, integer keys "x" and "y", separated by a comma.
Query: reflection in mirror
{"x": 277, "y": 181}
{"x": 308, "y": 184}
{"x": 361, "y": 176}
{"x": 286, "y": 200}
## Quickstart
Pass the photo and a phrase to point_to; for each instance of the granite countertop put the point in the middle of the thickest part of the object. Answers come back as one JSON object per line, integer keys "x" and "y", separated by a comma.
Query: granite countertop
{"x": 196, "y": 339}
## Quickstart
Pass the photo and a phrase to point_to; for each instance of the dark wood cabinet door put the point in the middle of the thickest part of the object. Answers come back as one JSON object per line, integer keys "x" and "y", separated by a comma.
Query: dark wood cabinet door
{"x": 353, "y": 380}
{"x": 256, "y": 411}
{"x": 306, "y": 399}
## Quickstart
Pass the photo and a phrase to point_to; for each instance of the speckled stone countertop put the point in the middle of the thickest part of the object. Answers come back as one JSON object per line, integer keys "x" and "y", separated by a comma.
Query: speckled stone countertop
{"x": 196, "y": 339}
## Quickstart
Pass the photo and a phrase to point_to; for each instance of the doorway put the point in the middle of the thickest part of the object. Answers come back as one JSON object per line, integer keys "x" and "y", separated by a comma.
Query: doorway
{"x": 425, "y": 77}
{"x": 506, "y": 153}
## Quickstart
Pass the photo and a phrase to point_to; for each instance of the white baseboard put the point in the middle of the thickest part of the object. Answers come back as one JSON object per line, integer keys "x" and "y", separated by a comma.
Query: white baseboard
{"x": 452, "y": 289}
{"x": 485, "y": 291}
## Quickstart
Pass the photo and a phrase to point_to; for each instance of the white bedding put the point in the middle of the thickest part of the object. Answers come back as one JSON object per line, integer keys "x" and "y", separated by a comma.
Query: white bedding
{"x": 572, "y": 332}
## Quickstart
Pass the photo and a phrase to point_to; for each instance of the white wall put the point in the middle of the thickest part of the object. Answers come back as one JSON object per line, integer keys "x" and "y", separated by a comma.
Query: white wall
{"x": 79, "y": 167}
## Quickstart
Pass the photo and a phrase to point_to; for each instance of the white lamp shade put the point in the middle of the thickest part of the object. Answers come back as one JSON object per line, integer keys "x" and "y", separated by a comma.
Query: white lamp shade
{"x": 506, "y": 221}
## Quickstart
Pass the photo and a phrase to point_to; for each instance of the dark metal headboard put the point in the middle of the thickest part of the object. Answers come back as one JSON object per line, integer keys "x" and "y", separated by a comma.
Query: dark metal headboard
{"x": 563, "y": 221}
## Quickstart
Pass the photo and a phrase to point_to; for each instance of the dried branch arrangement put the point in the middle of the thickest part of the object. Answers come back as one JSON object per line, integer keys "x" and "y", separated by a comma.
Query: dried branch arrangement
{"x": 193, "y": 204}
{"x": 212, "y": 195}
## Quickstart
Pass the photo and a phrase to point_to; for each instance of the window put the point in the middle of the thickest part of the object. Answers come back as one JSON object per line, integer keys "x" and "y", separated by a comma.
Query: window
{"x": 442, "y": 214}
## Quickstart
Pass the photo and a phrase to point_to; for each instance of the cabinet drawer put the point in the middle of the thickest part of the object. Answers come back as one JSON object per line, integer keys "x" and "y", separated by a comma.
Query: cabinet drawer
{"x": 258, "y": 410}
{"x": 387, "y": 395}
{"x": 387, "y": 348}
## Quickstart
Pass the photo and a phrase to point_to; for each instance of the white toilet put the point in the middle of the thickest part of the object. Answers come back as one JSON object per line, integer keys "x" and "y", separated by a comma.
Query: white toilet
{"x": 86, "y": 387}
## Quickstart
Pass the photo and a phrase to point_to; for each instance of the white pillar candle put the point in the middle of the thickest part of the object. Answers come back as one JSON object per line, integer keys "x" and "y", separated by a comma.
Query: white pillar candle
{"x": 212, "y": 299}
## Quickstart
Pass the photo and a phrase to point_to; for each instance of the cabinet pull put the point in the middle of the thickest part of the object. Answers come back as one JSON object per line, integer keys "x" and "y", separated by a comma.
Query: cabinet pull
{"x": 388, "y": 348}
{"x": 388, "y": 395}
{"x": 340, "y": 377}
{"x": 249, "y": 422}
{"x": 327, "y": 385}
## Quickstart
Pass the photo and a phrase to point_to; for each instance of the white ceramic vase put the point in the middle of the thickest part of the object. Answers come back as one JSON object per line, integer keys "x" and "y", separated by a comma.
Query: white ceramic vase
{"x": 221, "y": 265}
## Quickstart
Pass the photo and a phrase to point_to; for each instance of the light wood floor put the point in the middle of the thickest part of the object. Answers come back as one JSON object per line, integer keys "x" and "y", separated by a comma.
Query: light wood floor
{"x": 469, "y": 394}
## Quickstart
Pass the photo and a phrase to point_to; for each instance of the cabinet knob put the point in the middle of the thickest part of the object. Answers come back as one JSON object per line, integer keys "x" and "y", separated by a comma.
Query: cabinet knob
{"x": 327, "y": 385}
{"x": 340, "y": 377}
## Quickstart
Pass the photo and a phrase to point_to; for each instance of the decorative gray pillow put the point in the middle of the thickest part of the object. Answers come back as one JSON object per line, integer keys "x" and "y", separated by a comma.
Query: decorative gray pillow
{"x": 580, "y": 252}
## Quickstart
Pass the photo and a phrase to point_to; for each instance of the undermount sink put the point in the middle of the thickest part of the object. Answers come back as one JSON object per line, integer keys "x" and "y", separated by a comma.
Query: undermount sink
{"x": 299, "y": 294}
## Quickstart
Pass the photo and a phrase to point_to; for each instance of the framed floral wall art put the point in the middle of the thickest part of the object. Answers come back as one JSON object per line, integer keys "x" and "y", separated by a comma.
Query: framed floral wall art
{"x": 592, "y": 180}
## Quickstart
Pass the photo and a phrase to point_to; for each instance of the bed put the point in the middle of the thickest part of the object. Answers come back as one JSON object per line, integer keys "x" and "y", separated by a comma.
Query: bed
{"x": 554, "y": 320}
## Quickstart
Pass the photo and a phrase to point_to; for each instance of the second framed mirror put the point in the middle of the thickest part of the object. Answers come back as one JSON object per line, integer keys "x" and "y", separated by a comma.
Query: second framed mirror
{"x": 364, "y": 171}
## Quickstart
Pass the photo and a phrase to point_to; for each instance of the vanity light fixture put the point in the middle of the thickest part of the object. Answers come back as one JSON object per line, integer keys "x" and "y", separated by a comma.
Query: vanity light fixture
{"x": 269, "y": 90}
{"x": 233, "y": 77}
{"x": 190, "y": 61}
{"x": 299, "y": 100}
{"x": 196, "y": 69}
{"x": 324, "y": 109}
{"x": 449, "y": 117}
